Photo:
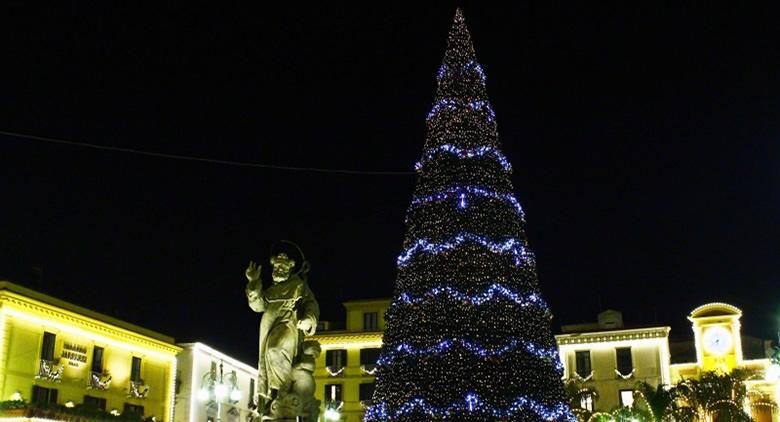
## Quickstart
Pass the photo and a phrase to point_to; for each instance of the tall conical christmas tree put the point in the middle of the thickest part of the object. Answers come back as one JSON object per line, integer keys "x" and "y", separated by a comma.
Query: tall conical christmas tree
{"x": 468, "y": 335}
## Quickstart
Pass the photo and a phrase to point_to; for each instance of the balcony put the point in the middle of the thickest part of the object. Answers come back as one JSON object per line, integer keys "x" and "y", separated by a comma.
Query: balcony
{"x": 138, "y": 389}
{"x": 100, "y": 381}
{"x": 368, "y": 369}
{"x": 334, "y": 370}
{"x": 50, "y": 370}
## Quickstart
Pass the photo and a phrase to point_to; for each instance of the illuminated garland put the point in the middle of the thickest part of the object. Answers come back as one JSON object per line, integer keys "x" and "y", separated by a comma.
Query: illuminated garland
{"x": 549, "y": 354}
{"x": 461, "y": 192}
{"x": 471, "y": 404}
{"x": 444, "y": 70}
{"x": 478, "y": 152}
{"x": 512, "y": 246}
{"x": 451, "y": 104}
{"x": 488, "y": 295}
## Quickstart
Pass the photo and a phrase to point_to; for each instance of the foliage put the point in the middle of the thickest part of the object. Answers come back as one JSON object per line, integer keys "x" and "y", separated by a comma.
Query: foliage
{"x": 61, "y": 412}
{"x": 659, "y": 400}
{"x": 714, "y": 394}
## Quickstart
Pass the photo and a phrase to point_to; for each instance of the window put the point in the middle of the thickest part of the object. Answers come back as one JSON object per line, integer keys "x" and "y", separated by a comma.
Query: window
{"x": 94, "y": 403}
{"x": 627, "y": 398}
{"x": 366, "y": 391}
{"x": 332, "y": 393}
{"x": 44, "y": 395}
{"x": 97, "y": 359}
{"x": 336, "y": 359}
{"x": 369, "y": 356}
{"x": 251, "y": 398}
{"x": 586, "y": 402}
{"x": 623, "y": 357}
{"x": 583, "y": 363}
{"x": 47, "y": 346}
{"x": 135, "y": 370}
{"x": 370, "y": 321}
{"x": 135, "y": 409}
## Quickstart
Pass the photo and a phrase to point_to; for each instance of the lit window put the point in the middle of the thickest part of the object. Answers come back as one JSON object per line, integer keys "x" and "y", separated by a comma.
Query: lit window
{"x": 586, "y": 402}
{"x": 627, "y": 398}
{"x": 332, "y": 393}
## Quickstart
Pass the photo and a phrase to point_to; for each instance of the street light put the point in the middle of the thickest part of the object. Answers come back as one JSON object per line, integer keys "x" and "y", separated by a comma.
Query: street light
{"x": 219, "y": 387}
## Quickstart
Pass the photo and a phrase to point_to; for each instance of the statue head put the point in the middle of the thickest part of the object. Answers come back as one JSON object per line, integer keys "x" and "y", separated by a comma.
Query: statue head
{"x": 282, "y": 266}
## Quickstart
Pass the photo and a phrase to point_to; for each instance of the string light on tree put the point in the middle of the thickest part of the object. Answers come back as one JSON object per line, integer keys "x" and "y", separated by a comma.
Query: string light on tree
{"x": 468, "y": 334}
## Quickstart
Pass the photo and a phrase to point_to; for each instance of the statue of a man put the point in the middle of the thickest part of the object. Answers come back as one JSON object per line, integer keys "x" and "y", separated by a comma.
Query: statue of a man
{"x": 290, "y": 313}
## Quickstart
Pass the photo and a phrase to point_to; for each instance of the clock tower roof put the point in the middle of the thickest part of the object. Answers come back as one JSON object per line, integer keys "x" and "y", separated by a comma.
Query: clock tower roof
{"x": 715, "y": 309}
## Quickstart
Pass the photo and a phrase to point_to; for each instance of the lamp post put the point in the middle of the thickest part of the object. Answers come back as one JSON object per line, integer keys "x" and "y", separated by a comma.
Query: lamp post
{"x": 219, "y": 387}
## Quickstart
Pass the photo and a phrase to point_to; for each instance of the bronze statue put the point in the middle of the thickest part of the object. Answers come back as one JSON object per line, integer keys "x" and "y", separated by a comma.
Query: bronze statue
{"x": 285, "y": 384}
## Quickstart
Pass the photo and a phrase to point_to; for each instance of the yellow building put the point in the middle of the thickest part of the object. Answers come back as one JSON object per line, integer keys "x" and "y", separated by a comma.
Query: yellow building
{"x": 720, "y": 346}
{"x": 56, "y": 353}
{"x": 610, "y": 358}
{"x": 345, "y": 369}
{"x": 613, "y": 358}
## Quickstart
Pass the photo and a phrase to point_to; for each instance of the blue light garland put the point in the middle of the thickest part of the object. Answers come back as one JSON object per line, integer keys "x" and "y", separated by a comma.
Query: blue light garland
{"x": 450, "y": 104}
{"x": 490, "y": 293}
{"x": 465, "y": 153}
{"x": 461, "y": 192}
{"x": 472, "y": 65}
{"x": 512, "y": 246}
{"x": 549, "y": 354}
{"x": 471, "y": 404}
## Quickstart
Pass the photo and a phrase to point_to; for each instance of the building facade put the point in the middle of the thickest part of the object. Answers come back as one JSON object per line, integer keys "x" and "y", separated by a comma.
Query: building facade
{"x": 200, "y": 366}
{"x": 345, "y": 368}
{"x": 59, "y": 355}
{"x": 609, "y": 359}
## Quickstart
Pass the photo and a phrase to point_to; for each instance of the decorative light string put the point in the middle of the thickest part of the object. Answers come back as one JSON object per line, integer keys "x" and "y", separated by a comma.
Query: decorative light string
{"x": 472, "y": 65}
{"x": 493, "y": 291}
{"x": 485, "y": 150}
{"x": 471, "y": 404}
{"x": 549, "y": 354}
{"x": 452, "y": 104}
{"x": 512, "y": 246}
{"x": 461, "y": 192}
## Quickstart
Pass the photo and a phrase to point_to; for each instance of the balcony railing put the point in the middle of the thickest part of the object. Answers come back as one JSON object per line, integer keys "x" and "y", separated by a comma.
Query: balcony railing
{"x": 138, "y": 389}
{"x": 50, "y": 370}
{"x": 99, "y": 381}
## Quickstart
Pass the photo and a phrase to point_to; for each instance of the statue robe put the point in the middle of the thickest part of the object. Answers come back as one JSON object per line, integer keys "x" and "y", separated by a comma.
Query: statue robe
{"x": 283, "y": 304}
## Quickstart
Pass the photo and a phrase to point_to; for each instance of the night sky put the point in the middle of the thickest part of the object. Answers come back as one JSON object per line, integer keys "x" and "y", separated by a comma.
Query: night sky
{"x": 644, "y": 142}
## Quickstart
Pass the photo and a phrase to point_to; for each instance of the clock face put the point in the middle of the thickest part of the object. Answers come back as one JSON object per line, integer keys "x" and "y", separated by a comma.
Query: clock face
{"x": 717, "y": 341}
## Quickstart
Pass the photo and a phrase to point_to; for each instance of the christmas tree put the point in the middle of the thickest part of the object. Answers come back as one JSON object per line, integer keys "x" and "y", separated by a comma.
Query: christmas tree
{"x": 468, "y": 335}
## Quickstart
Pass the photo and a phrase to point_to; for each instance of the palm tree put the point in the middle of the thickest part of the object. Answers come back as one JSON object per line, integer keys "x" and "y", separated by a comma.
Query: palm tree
{"x": 714, "y": 396}
{"x": 658, "y": 400}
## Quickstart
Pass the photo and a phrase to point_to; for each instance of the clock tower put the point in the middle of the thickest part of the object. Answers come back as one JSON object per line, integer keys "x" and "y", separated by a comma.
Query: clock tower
{"x": 716, "y": 330}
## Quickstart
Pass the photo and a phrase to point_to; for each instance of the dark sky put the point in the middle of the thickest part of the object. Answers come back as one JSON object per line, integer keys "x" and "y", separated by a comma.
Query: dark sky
{"x": 644, "y": 141}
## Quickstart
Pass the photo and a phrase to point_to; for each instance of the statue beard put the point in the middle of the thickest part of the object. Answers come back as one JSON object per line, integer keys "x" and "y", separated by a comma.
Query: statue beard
{"x": 280, "y": 275}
